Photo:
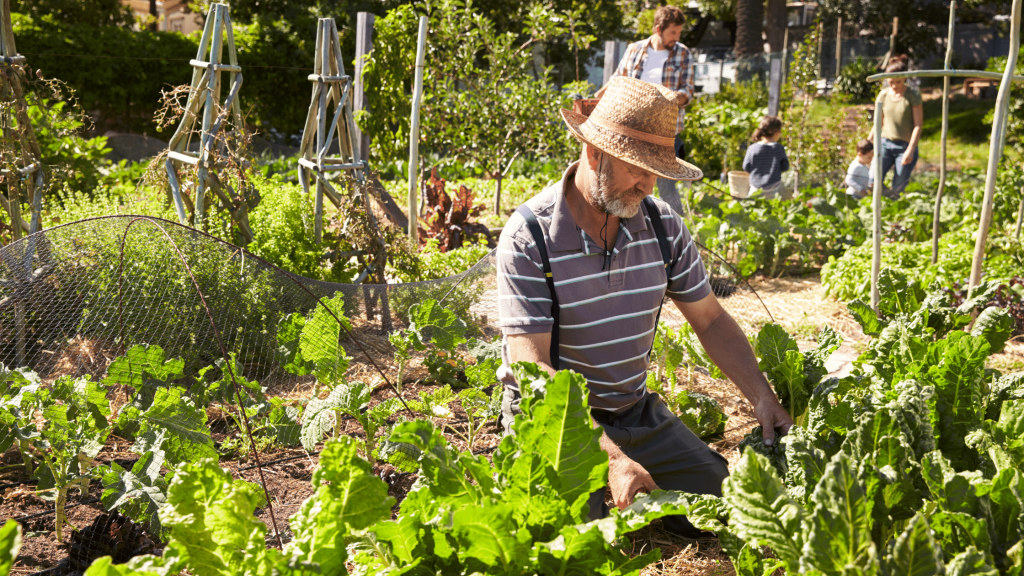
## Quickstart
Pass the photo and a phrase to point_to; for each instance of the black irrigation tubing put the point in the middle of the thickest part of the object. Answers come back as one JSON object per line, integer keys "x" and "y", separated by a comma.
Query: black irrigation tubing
{"x": 54, "y": 510}
{"x": 220, "y": 343}
{"x": 279, "y": 460}
{"x": 16, "y": 484}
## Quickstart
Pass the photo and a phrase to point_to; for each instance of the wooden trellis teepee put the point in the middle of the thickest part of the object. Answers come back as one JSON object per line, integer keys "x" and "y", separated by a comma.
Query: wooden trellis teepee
{"x": 21, "y": 157}
{"x": 206, "y": 108}
{"x": 331, "y": 87}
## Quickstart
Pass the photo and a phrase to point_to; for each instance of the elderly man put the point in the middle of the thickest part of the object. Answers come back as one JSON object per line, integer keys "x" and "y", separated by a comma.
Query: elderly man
{"x": 663, "y": 60}
{"x": 612, "y": 253}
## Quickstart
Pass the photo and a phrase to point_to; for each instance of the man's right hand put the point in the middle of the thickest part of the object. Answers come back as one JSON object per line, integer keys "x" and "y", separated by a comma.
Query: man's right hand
{"x": 627, "y": 478}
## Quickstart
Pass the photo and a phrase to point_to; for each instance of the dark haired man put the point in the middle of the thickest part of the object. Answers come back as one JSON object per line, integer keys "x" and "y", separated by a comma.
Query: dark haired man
{"x": 662, "y": 59}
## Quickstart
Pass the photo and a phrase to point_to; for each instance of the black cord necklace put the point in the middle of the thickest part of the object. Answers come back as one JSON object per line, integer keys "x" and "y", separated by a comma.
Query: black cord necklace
{"x": 607, "y": 265}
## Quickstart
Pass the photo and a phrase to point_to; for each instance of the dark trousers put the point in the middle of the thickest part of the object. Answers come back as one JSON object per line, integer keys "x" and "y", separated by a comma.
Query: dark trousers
{"x": 652, "y": 436}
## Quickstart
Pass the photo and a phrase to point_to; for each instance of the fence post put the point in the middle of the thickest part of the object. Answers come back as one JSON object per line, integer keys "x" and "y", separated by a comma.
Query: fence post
{"x": 364, "y": 45}
{"x": 839, "y": 47}
{"x": 945, "y": 133}
{"x": 774, "y": 86}
{"x": 611, "y": 59}
{"x": 414, "y": 130}
{"x": 996, "y": 145}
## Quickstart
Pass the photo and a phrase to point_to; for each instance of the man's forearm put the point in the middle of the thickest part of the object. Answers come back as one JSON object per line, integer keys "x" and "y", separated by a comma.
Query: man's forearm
{"x": 722, "y": 341}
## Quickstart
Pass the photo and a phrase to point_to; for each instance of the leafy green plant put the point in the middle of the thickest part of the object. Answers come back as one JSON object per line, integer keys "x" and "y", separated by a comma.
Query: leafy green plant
{"x": 347, "y": 399}
{"x": 702, "y": 414}
{"x": 10, "y": 544}
{"x": 17, "y": 427}
{"x": 852, "y": 81}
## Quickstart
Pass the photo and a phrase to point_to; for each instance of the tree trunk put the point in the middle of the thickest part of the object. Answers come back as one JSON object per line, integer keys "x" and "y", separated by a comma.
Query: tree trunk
{"x": 776, "y": 24}
{"x": 749, "y": 17}
{"x": 155, "y": 25}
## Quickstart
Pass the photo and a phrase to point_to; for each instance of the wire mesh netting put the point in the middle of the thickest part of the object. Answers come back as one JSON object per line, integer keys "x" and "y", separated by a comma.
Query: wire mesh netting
{"x": 149, "y": 328}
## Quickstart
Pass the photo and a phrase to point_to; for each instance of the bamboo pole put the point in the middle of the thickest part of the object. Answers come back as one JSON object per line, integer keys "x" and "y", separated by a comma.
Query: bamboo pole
{"x": 945, "y": 133}
{"x": 1020, "y": 215}
{"x": 821, "y": 29}
{"x": 876, "y": 206}
{"x": 892, "y": 42}
{"x": 996, "y": 145}
{"x": 943, "y": 74}
{"x": 323, "y": 57}
{"x": 785, "y": 53}
{"x": 414, "y": 129}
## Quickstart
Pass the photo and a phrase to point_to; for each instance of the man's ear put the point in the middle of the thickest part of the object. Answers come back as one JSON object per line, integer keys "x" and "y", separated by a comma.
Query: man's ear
{"x": 593, "y": 156}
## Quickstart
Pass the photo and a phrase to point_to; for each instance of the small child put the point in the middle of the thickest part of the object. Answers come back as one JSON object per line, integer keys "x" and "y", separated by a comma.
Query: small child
{"x": 858, "y": 175}
{"x": 766, "y": 159}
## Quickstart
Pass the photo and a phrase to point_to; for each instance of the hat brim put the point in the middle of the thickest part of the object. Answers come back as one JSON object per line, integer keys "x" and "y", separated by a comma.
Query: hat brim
{"x": 660, "y": 160}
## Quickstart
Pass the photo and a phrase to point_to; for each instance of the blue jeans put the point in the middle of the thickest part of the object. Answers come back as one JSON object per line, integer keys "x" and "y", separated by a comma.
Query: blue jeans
{"x": 892, "y": 155}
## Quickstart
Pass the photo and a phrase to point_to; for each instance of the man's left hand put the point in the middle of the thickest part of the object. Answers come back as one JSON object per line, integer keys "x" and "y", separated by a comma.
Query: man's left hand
{"x": 772, "y": 416}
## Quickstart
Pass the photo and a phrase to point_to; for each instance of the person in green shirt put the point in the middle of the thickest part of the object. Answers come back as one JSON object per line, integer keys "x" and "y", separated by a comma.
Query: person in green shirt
{"x": 902, "y": 116}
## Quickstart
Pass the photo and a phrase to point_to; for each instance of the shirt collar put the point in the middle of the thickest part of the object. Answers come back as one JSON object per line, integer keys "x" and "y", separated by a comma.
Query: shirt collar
{"x": 563, "y": 230}
{"x": 671, "y": 49}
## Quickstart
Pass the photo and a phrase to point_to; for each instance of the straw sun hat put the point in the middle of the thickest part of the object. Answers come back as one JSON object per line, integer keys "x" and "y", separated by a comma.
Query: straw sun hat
{"x": 635, "y": 122}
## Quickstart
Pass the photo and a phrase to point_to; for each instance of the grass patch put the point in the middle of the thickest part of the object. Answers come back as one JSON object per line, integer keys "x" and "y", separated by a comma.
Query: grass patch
{"x": 969, "y": 134}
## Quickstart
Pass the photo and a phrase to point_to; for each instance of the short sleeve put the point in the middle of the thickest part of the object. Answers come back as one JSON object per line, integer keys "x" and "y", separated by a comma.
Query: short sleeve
{"x": 687, "y": 278}
{"x": 914, "y": 97}
{"x": 524, "y": 301}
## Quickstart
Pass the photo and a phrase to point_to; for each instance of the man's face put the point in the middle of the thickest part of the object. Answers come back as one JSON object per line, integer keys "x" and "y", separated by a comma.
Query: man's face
{"x": 619, "y": 186}
{"x": 670, "y": 34}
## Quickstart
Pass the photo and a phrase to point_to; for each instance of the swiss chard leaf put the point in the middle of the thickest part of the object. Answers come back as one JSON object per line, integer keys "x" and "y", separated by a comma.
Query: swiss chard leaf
{"x": 840, "y": 523}
{"x": 760, "y": 510}
{"x": 915, "y": 552}
{"x": 897, "y": 294}
{"x": 146, "y": 369}
{"x": 970, "y": 562}
{"x": 319, "y": 340}
{"x": 10, "y": 544}
{"x": 995, "y": 325}
{"x": 957, "y": 407}
{"x": 348, "y": 498}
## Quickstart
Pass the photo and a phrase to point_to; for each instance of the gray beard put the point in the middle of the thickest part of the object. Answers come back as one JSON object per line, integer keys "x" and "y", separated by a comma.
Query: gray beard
{"x": 623, "y": 205}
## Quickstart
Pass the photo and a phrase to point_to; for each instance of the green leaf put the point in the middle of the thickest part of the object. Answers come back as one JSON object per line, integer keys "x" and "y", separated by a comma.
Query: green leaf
{"x": 840, "y": 523}
{"x": 145, "y": 369}
{"x": 814, "y": 360}
{"x": 995, "y": 325}
{"x": 957, "y": 532}
{"x": 434, "y": 323}
{"x": 866, "y": 317}
{"x": 138, "y": 493}
{"x": 10, "y": 544}
{"x": 915, "y": 552}
{"x": 896, "y": 294}
{"x": 289, "y": 356}
{"x": 348, "y": 498}
{"x": 188, "y": 438}
{"x": 784, "y": 364}
{"x": 760, "y": 510}
{"x": 319, "y": 340}
{"x": 1008, "y": 387}
{"x": 957, "y": 407}
{"x": 320, "y": 416}
{"x": 970, "y": 562}
{"x": 556, "y": 427}
{"x": 702, "y": 414}
{"x": 487, "y": 535}
{"x": 805, "y": 462}
{"x": 213, "y": 529}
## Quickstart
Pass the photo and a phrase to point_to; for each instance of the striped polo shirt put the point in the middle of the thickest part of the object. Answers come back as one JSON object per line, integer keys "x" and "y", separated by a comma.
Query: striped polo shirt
{"x": 607, "y": 317}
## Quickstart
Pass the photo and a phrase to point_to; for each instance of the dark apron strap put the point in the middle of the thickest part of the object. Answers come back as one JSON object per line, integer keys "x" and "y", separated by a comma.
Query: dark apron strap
{"x": 666, "y": 253}
{"x": 538, "y": 238}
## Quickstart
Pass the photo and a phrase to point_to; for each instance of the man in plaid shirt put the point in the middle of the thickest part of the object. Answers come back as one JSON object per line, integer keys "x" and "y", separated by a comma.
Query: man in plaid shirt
{"x": 662, "y": 59}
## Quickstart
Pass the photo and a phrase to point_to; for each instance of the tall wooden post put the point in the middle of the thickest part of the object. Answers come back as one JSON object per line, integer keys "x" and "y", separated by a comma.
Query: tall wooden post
{"x": 1020, "y": 215}
{"x": 892, "y": 41}
{"x": 839, "y": 46}
{"x": 821, "y": 42}
{"x": 996, "y": 145}
{"x": 945, "y": 132}
{"x": 364, "y": 45}
{"x": 785, "y": 53}
{"x": 414, "y": 132}
{"x": 876, "y": 207}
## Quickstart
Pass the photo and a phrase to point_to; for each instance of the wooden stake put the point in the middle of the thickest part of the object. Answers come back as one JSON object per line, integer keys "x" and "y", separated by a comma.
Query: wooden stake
{"x": 876, "y": 207}
{"x": 821, "y": 29}
{"x": 945, "y": 133}
{"x": 414, "y": 130}
{"x": 785, "y": 53}
{"x": 892, "y": 42}
{"x": 1020, "y": 215}
{"x": 839, "y": 47}
{"x": 996, "y": 145}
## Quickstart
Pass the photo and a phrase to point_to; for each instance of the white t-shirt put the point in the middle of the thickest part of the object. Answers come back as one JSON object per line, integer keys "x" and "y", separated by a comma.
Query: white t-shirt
{"x": 654, "y": 66}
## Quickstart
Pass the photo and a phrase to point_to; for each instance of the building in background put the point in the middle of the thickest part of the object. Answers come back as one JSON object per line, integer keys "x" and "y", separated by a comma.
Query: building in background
{"x": 170, "y": 15}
